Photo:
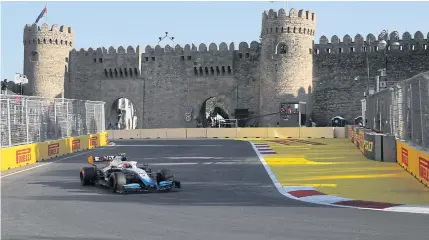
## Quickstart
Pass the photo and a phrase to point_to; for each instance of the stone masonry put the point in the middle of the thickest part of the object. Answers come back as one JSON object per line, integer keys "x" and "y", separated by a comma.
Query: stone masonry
{"x": 161, "y": 83}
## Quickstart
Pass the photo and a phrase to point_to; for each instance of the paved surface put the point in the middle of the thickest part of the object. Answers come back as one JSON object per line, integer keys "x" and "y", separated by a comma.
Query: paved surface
{"x": 336, "y": 167}
{"x": 226, "y": 195}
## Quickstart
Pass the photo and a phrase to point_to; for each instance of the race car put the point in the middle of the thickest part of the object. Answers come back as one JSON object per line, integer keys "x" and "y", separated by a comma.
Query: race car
{"x": 121, "y": 175}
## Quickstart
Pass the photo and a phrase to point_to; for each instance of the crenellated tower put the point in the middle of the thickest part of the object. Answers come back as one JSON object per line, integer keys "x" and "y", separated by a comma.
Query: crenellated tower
{"x": 46, "y": 53}
{"x": 286, "y": 65}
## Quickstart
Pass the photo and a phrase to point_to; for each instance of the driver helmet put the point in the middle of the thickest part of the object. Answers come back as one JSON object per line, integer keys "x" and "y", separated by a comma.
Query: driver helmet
{"x": 123, "y": 158}
{"x": 126, "y": 165}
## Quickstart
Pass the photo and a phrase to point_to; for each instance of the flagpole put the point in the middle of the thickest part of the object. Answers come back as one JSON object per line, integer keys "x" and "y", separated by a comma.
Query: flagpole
{"x": 46, "y": 15}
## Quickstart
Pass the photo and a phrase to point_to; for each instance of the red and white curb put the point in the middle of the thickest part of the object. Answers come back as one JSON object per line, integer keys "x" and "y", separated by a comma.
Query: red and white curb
{"x": 264, "y": 149}
{"x": 311, "y": 195}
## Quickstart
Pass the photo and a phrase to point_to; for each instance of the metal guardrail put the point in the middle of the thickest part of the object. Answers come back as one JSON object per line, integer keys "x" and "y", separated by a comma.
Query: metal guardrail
{"x": 27, "y": 119}
{"x": 402, "y": 110}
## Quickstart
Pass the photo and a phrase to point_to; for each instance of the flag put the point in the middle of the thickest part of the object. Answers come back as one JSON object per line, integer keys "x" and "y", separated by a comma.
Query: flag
{"x": 44, "y": 11}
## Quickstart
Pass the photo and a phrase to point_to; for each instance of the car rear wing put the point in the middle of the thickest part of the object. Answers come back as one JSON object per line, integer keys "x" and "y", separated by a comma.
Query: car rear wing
{"x": 96, "y": 159}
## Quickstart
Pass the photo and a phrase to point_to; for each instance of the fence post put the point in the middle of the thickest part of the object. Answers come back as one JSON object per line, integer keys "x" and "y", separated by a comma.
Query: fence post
{"x": 67, "y": 119}
{"x": 421, "y": 113}
{"x": 26, "y": 120}
{"x": 8, "y": 121}
{"x": 96, "y": 128}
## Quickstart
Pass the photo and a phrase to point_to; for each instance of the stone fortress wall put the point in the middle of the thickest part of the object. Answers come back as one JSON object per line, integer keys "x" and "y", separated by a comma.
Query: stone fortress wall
{"x": 337, "y": 63}
{"x": 163, "y": 82}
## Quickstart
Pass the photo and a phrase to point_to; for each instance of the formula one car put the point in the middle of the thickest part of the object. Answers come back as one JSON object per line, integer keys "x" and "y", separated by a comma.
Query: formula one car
{"x": 121, "y": 175}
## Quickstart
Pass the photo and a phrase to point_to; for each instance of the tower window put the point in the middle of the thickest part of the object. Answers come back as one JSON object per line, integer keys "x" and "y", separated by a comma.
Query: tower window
{"x": 247, "y": 55}
{"x": 229, "y": 69}
{"x": 182, "y": 58}
{"x": 153, "y": 58}
{"x": 34, "y": 56}
{"x": 95, "y": 60}
{"x": 100, "y": 60}
{"x": 67, "y": 59}
{"x": 189, "y": 58}
{"x": 196, "y": 71}
{"x": 240, "y": 55}
{"x": 282, "y": 48}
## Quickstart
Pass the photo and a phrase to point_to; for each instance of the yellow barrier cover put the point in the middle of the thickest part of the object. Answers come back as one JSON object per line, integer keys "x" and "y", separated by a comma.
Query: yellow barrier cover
{"x": 414, "y": 161}
{"x": 22, "y": 155}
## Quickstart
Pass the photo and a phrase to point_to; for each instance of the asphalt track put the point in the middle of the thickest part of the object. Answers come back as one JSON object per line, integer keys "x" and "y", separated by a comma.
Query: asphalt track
{"x": 226, "y": 194}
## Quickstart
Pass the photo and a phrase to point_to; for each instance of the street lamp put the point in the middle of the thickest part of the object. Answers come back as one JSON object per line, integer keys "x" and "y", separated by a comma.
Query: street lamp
{"x": 388, "y": 43}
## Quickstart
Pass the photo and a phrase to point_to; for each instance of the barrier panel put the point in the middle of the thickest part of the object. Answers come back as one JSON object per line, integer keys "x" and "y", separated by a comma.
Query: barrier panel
{"x": 221, "y": 132}
{"x": 283, "y": 132}
{"x": 52, "y": 149}
{"x": 153, "y": 133}
{"x": 389, "y": 148}
{"x": 176, "y": 133}
{"x": 127, "y": 134}
{"x": 361, "y": 139}
{"x": 196, "y": 133}
{"x": 252, "y": 133}
{"x": 18, "y": 156}
{"x": 415, "y": 161}
{"x": 340, "y": 132}
{"x": 316, "y": 132}
{"x": 276, "y": 132}
{"x": 369, "y": 146}
{"x": 350, "y": 132}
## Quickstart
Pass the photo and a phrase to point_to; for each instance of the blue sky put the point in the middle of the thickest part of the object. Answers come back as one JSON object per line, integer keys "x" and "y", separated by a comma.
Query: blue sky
{"x": 107, "y": 24}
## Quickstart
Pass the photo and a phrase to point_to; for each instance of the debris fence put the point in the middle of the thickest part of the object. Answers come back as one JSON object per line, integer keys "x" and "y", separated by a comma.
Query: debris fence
{"x": 27, "y": 119}
{"x": 402, "y": 110}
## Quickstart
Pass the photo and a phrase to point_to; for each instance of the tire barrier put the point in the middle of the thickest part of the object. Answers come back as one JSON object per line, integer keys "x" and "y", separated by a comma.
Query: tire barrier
{"x": 180, "y": 133}
{"x": 18, "y": 156}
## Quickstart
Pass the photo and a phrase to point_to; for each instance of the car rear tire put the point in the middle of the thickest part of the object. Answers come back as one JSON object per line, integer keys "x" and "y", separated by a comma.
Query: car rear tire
{"x": 87, "y": 176}
{"x": 165, "y": 174}
{"x": 117, "y": 181}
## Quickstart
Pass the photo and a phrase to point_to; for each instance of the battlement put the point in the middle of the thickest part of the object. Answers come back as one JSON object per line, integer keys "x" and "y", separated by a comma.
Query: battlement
{"x": 202, "y": 48}
{"x": 359, "y": 44}
{"x": 293, "y": 13}
{"x": 101, "y": 51}
{"x": 371, "y": 39}
{"x": 58, "y": 35}
{"x": 297, "y": 22}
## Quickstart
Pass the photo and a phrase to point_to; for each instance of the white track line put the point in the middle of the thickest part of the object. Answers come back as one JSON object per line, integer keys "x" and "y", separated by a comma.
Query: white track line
{"x": 45, "y": 164}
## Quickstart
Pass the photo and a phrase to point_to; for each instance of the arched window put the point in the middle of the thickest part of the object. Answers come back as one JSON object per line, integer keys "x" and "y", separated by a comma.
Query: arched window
{"x": 217, "y": 70}
{"x": 282, "y": 48}
{"x": 131, "y": 72}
